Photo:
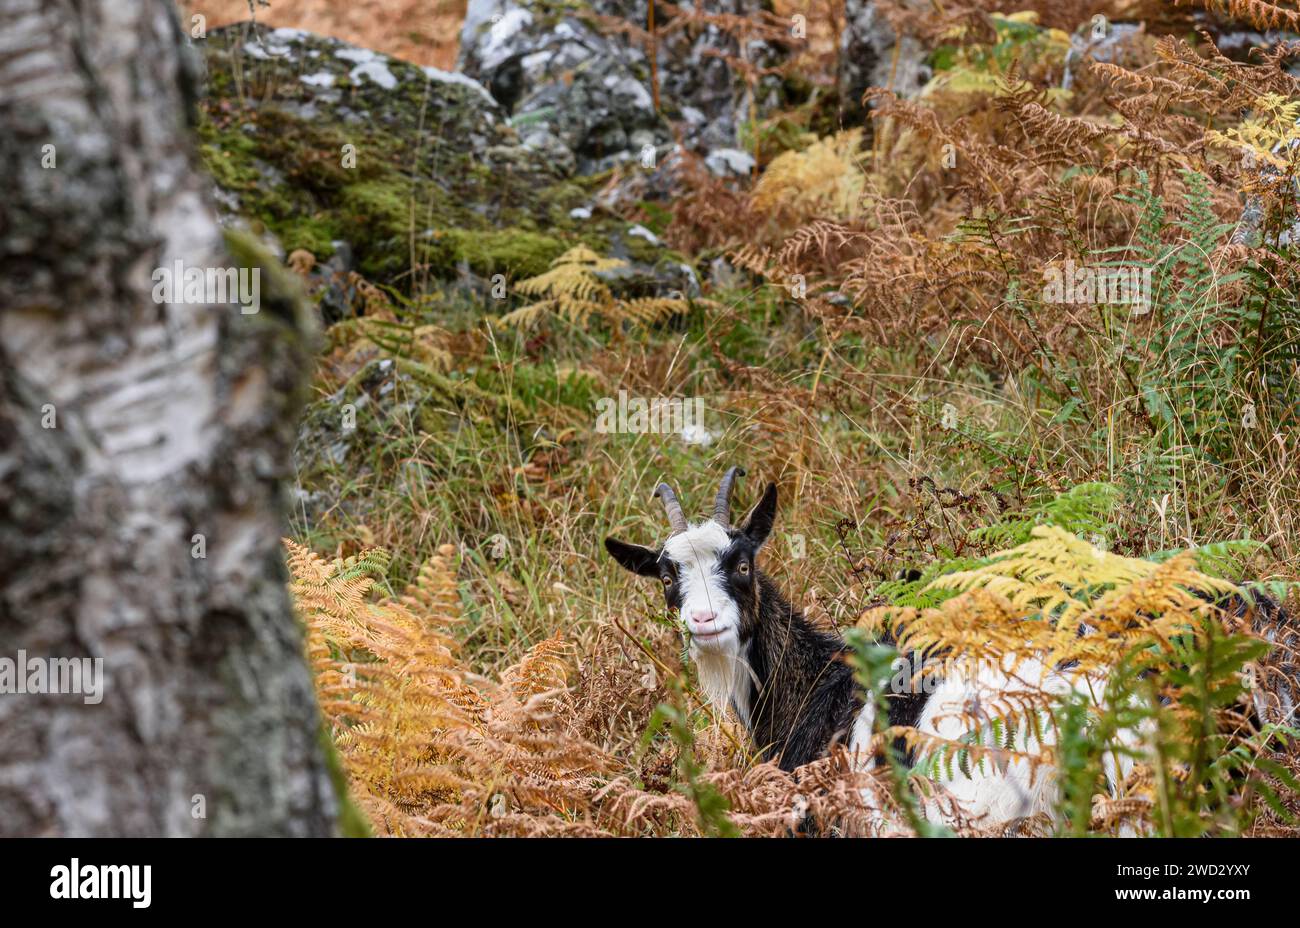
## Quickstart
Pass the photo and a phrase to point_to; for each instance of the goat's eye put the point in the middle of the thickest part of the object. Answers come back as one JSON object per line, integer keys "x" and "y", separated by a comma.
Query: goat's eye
{"x": 743, "y": 568}
{"x": 668, "y": 580}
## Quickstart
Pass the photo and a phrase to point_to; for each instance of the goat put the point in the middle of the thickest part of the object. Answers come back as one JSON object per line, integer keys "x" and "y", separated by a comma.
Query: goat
{"x": 787, "y": 680}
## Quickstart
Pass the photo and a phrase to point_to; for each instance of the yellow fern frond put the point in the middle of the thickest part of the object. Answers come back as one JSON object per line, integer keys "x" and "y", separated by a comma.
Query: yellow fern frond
{"x": 825, "y": 180}
{"x": 648, "y": 311}
{"x": 1270, "y": 136}
{"x": 572, "y": 291}
{"x": 572, "y": 280}
{"x": 530, "y": 316}
{"x": 1034, "y": 600}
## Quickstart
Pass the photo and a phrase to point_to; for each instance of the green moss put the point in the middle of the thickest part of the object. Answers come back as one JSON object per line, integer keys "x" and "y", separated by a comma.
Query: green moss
{"x": 378, "y": 208}
{"x": 378, "y": 215}
{"x": 381, "y": 215}
{"x": 385, "y": 205}
{"x": 227, "y": 168}
{"x": 228, "y": 155}
{"x": 514, "y": 252}
{"x": 316, "y": 234}
{"x": 309, "y": 154}
{"x": 232, "y": 156}
{"x": 281, "y": 292}
{"x": 641, "y": 250}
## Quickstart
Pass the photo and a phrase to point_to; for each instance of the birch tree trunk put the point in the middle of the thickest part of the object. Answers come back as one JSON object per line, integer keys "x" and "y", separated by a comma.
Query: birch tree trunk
{"x": 142, "y": 450}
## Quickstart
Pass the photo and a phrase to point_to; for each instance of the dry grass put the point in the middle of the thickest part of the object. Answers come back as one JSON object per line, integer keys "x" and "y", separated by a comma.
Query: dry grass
{"x": 423, "y": 32}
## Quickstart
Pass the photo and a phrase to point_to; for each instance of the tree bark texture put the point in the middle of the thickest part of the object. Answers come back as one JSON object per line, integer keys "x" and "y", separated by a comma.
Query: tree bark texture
{"x": 171, "y": 421}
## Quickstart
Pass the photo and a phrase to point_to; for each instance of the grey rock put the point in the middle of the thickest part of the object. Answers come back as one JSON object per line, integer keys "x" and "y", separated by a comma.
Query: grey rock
{"x": 724, "y": 276}
{"x": 308, "y": 95}
{"x": 592, "y": 89}
{"x": 553, "y": 148}
{"x": 1086, "y": 44}
{"x": 867, "y": 51}
{"x": 474, "y": 167}
{"x": 730, "y": 162}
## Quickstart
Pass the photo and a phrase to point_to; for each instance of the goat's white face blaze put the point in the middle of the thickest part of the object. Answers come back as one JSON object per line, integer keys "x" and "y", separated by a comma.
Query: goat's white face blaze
{"x": 710, "y": 614}
{"x": 708, "y": 611}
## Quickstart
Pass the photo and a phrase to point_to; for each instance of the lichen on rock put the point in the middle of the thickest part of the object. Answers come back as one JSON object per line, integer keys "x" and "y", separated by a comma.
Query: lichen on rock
{"x": 395, "y": 171}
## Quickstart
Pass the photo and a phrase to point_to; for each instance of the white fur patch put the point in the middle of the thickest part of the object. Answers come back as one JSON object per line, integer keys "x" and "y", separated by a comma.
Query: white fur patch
{"x": 990, "y": 793}
{"x": 860, "y": 736}
{"x": 722, "y": 664}
{"x": 725, "y": 679}
{"x": 705, "y": 540}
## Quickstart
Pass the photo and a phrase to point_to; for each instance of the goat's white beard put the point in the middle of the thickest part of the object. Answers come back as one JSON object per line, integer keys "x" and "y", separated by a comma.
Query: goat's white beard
{"x": 724, "y": 678}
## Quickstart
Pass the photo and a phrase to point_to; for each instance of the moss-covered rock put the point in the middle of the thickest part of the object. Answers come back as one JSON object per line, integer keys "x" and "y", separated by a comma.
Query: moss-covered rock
{"x": 315, "y": 144}
{"x": 513, "y": 252}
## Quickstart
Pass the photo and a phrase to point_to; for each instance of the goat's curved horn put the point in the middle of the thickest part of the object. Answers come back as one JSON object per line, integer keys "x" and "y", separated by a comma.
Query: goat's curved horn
{"x": 676, "y": 518}
{"x": 722, "y": 506}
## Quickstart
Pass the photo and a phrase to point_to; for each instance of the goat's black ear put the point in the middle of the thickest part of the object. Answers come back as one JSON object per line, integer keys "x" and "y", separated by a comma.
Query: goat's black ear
{"x": 758, "y": 524}
{"x": 636, "y": 558}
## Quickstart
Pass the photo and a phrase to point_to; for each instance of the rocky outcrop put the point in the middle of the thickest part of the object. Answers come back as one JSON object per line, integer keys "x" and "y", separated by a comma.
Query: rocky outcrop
{"x": 404, "y": 174}
{"x": 561, "y": 77}
{"x": 565, "y": 85}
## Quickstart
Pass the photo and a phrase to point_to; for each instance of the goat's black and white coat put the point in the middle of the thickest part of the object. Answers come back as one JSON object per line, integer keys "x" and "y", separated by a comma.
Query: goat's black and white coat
{"x": 787, "y": 680}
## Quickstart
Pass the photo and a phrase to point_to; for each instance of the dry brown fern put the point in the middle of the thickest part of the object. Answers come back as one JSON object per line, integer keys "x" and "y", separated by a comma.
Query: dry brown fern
{"x": 1258, "y": 13}
{"x": 430, "y": 748}
{"x": 388, "y": 682}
